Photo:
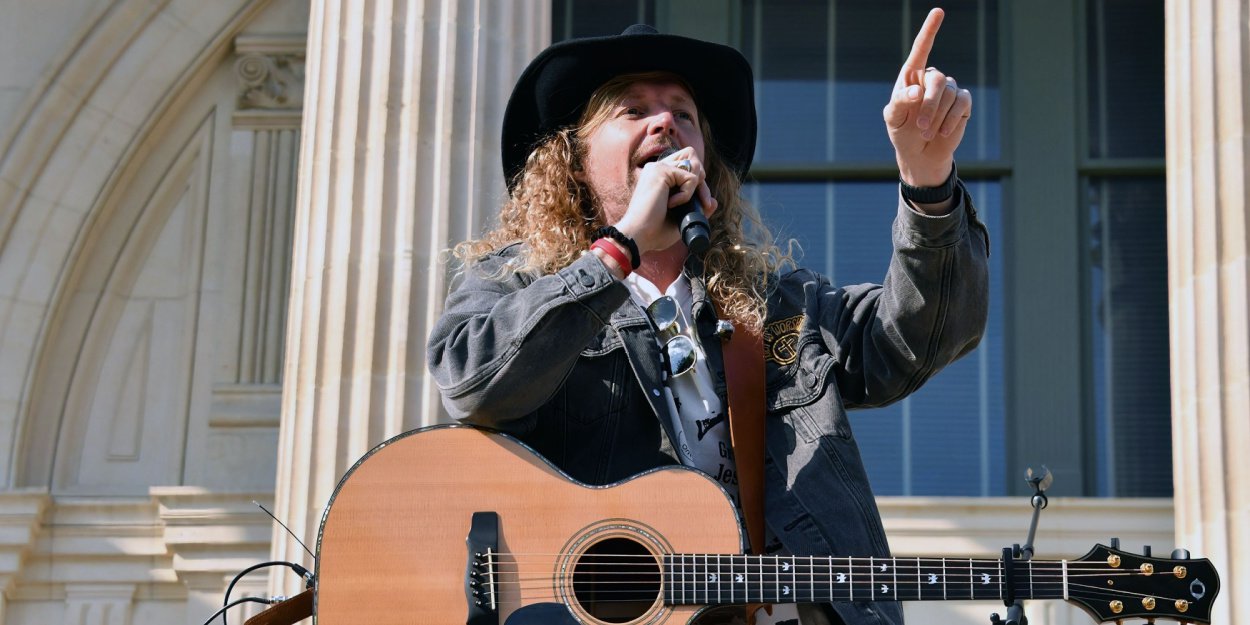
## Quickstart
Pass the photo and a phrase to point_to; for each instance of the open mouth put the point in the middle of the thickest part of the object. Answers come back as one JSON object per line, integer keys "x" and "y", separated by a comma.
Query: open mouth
{"x": 656, "y": 154}
{"x": 650, "y": 159}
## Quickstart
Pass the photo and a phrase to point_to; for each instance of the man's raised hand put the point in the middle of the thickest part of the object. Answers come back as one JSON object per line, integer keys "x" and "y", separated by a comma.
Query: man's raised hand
{"x": 927, "y": 113}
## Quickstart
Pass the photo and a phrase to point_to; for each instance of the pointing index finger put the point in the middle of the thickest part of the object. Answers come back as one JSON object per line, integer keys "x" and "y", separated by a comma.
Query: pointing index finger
{"x": 918, "y": 59}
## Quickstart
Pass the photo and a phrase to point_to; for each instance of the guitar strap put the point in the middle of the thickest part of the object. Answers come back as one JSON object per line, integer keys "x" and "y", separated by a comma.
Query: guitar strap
{"x": 292, "y": 610}
{"x": 744, "y": 387}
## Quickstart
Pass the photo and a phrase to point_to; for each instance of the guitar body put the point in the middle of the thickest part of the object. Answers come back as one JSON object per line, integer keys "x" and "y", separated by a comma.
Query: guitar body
{"x": 392, "y": 545}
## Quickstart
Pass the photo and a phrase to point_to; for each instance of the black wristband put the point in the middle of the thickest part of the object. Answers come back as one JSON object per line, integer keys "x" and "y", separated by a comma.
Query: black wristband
{"x": 616, "y": 235}
{"x": 930, "y": 195}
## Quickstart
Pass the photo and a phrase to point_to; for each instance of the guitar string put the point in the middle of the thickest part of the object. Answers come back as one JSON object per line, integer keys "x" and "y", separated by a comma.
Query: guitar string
{"x": 856, "y": 561}
{"x": 830, "y": 573}
{"x": 902, "y": 591}
{"x": 676, "y": 582}
{"x": 811, "y": 577}
{"x": 822, "y": 563}
{"x": 1088, "y": 592}
{"x": 700, "y": 582}
{"x": 821, "y": 567}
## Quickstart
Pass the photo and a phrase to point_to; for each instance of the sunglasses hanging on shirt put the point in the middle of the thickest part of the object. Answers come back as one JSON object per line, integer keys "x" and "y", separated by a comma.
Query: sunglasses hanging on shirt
{"x": 679, "y": 350}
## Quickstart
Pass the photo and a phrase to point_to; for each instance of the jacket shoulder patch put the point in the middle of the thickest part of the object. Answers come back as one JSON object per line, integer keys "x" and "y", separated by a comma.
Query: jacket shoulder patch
{"x": 781, "y": 340}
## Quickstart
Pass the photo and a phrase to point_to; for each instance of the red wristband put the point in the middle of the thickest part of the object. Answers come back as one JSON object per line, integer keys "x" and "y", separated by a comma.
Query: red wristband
{"x": 610, "y": 248}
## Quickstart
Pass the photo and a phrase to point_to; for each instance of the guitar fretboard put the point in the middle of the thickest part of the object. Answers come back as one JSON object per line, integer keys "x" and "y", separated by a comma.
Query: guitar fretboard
{"x": 697, "y": 579}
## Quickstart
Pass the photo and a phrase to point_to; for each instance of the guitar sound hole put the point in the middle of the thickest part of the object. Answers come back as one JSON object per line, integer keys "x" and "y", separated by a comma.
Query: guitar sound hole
{"x": 617, "y": 580}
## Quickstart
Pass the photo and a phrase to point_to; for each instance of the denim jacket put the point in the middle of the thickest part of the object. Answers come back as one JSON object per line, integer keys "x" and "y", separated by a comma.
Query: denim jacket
{"x": 570, "y": 365}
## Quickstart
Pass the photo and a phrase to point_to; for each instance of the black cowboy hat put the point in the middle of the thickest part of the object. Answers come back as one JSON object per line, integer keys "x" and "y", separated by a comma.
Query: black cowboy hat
{"x": 554, "y": 89}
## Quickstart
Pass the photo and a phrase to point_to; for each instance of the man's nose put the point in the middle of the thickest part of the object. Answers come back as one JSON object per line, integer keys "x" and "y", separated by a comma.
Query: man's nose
{"x": 663, "y": 123}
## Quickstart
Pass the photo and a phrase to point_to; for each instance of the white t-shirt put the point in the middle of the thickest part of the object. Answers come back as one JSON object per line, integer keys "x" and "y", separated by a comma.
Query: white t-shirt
{"x": 701, "y": 422}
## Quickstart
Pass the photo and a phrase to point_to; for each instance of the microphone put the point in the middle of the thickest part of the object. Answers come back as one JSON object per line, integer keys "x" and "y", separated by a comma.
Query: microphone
{"x": 695, "y": 230}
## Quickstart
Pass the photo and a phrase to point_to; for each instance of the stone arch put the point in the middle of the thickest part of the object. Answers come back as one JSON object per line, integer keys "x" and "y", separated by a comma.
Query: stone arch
{"x": 92, "y": 214}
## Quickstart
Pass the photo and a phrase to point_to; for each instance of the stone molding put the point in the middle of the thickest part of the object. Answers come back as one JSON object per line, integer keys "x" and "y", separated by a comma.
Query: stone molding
{"x": 270, "y": 75}
{"x": 21, "y": 515}
{"x": 1069, "y": 526}
{"x": 99, "y": 604}
{"x": 270, "y": 81}
{"x": 245, "y": 405}
{"x": 212, "y": 534}
{"x": 180, "y": 539}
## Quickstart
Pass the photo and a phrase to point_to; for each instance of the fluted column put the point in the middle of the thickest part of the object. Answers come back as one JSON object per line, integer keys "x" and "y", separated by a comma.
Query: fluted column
{"x": 400, "y": 159}
{"x": 1207, "y": 146}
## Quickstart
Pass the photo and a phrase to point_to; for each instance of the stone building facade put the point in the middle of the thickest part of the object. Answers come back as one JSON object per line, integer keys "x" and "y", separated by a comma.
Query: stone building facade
{"x": 220, "y": 236}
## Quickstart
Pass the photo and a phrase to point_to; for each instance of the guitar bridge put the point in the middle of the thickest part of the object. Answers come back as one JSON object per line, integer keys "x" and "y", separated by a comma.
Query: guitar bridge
{"x": 479, "y": 574}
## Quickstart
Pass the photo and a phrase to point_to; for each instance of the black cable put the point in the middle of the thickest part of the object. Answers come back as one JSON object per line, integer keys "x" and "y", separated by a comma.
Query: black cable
{"x": 299, "y": 570}
{"x": 223, "y": 609}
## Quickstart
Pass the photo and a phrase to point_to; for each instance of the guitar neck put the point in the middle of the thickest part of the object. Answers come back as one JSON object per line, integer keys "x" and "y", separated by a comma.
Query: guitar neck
{"x": 699, "y": 579}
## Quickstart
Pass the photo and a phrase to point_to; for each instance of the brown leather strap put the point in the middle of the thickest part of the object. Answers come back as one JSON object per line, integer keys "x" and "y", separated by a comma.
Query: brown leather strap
{"x": 292, "y": 610}
{"x": 744, "y": 382}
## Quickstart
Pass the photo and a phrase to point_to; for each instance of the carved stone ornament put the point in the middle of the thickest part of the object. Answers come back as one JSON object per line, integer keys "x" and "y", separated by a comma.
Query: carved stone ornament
{"x": 270, "y": 81}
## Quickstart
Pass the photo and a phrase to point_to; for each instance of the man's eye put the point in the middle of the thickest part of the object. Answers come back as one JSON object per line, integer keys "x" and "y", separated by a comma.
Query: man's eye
{"x": 686, "y": 115}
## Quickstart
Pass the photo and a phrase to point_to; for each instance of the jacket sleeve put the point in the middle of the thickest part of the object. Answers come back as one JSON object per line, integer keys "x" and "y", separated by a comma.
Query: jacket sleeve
{"x": 931, "y": 309}
{"x": 504, "y": 345}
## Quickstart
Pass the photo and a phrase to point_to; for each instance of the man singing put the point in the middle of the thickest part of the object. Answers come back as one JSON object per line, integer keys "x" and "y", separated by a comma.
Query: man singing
{"x": 584, "y": 325}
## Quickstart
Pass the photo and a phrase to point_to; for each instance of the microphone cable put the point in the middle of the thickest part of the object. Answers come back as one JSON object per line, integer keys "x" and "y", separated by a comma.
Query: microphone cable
{"x": 226, "y": 605}
{"x": 223, "y": 609}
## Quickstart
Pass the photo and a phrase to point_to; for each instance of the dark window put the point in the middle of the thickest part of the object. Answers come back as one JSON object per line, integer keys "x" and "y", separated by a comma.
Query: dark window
{"x": 1125, "y": 81}
{"x": 948, "y": 437}
{"x": 1125, "y": 194}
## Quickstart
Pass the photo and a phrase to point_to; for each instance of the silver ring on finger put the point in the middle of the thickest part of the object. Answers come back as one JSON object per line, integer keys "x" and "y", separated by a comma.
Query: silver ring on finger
{"x": 685, "y": 164}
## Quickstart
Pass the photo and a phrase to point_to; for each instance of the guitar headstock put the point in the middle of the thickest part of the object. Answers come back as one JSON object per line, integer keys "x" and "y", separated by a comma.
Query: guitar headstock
{"x": 1112, "y": 585}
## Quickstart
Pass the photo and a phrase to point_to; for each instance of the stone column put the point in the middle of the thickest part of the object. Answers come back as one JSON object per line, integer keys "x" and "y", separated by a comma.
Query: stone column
{"x": 1207, "y": 147}
{"x": 400, "y": 159}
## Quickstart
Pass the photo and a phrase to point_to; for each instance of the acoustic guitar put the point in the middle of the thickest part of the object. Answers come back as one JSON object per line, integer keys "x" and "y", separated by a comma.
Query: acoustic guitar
{"x": 456, "y": 525}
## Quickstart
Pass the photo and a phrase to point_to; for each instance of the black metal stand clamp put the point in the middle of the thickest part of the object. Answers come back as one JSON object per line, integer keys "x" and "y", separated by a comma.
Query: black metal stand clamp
{"x": 1015, "y": 609}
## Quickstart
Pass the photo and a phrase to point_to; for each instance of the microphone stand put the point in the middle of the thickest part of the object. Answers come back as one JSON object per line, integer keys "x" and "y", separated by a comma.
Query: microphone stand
{"x": 1016, "y": 553}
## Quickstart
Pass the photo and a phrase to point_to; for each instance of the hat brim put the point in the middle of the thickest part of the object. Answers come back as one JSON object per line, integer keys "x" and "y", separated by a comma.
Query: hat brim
{"x": 553, "y": 91}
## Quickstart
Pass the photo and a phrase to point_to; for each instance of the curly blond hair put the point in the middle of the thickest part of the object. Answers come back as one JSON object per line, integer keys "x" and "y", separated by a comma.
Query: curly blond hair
{"x": 556, "y": 215}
